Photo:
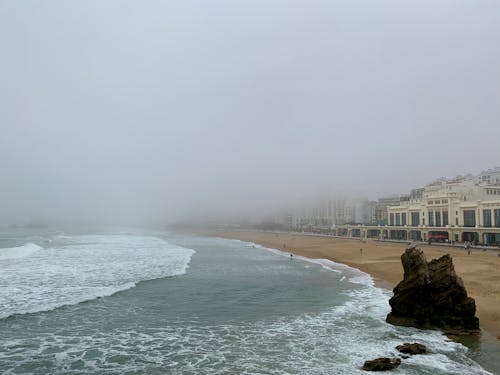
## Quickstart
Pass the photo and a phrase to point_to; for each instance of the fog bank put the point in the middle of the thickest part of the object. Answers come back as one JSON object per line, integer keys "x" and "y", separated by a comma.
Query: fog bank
{"x": 123, "y": 111}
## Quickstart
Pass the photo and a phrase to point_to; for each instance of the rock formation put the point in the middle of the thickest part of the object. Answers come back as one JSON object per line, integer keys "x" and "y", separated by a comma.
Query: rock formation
{"x": 381, "y": 364}
{"x": 414, "y": 348}
{"x": 431, "y": 295}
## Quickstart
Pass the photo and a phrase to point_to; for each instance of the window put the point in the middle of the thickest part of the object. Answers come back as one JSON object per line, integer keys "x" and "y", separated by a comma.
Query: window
{"x": 403, "y": 218}
{"x": 414, "y": 219}
{"x": 487, "y": 218}
{"x": 431, "y": 218}
{"x": 469, "y": 218}
{"x": 391, "y": 219}
{"x": 497, "y": 218}
{"x": 438, "y": 218}
{"x": 445, "y": 218}
{"x": 398, "y": 219}
{"x": 444, "y": 201}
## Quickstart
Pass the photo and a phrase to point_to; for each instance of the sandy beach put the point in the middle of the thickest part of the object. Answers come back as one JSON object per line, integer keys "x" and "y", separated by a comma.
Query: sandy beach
{"x": 480, "y": 271}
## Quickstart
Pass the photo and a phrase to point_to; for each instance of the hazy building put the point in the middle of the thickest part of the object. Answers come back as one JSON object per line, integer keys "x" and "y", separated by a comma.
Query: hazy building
{"x": 490, "y": 176}
{"x": 379, "y": 209}
{"x": 454, "y": 210}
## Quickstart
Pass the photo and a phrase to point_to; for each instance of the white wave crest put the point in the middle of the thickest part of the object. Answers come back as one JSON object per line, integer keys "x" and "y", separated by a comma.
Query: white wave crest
{"x": 356, "y": 276}
{"x": 85, "y": 268}
{"x": 19, "y": 252}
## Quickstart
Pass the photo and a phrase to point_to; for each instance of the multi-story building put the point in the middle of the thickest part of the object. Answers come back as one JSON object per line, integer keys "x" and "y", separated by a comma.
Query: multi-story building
{"x": 490, "y": 176}
{"x": 466, "y": 208}
{"x": 379, "y": 210}
{"x": 455, "y": 210}
{"x": 328, "y": 213}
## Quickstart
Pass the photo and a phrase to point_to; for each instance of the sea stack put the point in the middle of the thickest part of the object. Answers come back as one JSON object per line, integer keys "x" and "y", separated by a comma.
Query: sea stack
{"x": 431, "y": 295}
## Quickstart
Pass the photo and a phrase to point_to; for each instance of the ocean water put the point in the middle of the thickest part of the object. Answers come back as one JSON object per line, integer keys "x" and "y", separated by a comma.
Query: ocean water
{"x": 156, "y": 303}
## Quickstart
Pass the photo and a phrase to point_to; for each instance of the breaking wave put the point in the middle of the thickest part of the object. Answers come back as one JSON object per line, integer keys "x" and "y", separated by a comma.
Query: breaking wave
{"x": 19, "y": 252}
{"x": 81, "y": 269}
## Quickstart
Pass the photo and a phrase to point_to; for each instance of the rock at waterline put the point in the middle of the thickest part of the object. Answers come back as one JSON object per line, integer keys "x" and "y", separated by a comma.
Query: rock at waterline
{"x": 431, "y": 295}
{"x": 414, "y": 348}
{"x": 381, "y": 364}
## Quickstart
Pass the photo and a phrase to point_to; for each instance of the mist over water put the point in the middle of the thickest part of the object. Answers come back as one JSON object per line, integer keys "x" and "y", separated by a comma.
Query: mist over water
{"x": 123, "y": 112}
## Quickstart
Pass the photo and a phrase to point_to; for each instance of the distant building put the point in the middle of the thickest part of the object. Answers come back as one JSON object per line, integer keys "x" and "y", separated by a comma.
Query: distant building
{"x": 464, "y": 208}
{"x": 379, "y": 210}
{"x": 455, "y": 210}
{"x": 489, "y": 177}
{"x": 327, "y": 213}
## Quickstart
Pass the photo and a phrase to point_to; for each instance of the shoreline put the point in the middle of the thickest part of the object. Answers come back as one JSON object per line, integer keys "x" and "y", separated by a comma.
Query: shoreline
{"x": 381, "y": 260}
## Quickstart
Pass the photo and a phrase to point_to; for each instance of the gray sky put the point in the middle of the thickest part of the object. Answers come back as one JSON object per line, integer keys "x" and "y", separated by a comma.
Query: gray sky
{"x": 158, "y": 109}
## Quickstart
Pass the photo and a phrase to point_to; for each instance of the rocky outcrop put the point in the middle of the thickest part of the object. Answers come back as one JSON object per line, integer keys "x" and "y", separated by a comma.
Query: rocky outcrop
{"x": 412, "y": 349}
{"x": 381, "y": 364}
{"x": 431, "y": 295}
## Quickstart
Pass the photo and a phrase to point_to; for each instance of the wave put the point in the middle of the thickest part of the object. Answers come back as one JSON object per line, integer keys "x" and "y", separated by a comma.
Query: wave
{"x": 356, "y": 275}
{"x": 367, "y": 307}
{"x": 23, "y": 251}
{"x": 91, "y": 294}
{"x": 85, "y": 268}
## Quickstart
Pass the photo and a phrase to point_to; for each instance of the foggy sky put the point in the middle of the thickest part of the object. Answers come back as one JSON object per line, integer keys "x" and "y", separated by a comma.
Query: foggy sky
{"x": 154, "y": 110}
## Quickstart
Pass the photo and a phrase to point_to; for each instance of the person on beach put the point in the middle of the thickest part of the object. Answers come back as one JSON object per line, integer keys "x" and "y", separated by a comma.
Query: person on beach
{"x": 291, "y": 256}
{"x": 467, "y": 247}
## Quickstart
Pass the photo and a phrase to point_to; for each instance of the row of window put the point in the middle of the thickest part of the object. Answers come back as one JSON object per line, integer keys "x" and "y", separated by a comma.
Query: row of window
{"x": 493, "y": 191}
{"x": 439, "y": 201}
{"x": 441, "y": 218}
{"x": 487, "y": 222}
{"x": 437, "y": 218}
{"x": 398, "y": 219}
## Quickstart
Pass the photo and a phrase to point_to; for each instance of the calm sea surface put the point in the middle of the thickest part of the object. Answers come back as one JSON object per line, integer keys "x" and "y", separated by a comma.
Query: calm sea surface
{"x": 155, "y": 303}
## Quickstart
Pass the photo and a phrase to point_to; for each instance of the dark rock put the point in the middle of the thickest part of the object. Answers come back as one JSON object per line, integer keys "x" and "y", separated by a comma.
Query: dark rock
{"x": 381, "y": 364}
{"x": 431, "y": 295}
{"x": 414, "y": 348}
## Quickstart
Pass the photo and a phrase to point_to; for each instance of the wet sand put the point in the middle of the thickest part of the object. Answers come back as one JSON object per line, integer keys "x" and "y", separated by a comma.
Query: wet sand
{"x": 480, "y": 271}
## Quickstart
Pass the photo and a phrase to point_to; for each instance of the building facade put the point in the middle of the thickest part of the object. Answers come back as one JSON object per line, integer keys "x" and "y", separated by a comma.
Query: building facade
{"x": 489, "y": 177}
{"x": 450, "y": 211}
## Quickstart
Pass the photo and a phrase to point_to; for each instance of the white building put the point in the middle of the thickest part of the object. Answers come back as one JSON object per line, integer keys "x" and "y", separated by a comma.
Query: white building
{"x": 491, "y": 176}
{"x": 456, "y": 210}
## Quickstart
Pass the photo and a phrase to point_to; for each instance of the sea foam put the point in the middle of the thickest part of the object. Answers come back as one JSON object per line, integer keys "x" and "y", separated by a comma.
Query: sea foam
{"x": 334, "y": 340}
{"x": 83, "y": 268}
{"x": 19, "y": 252}
{"x": 378, "y": 338}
